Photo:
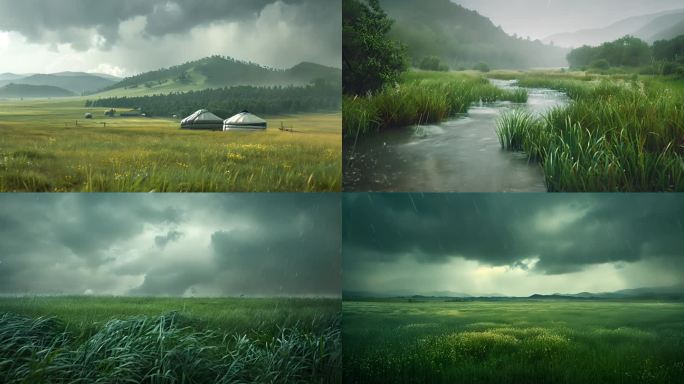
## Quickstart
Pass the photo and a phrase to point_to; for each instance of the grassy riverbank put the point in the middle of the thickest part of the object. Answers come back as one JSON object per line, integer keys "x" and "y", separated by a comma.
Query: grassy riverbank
{"x": 421, "y": 97}
{"x": 621, "y": 133}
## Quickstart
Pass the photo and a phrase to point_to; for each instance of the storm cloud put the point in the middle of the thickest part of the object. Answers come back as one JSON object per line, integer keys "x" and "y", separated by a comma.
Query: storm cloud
{"x": 170, "y": 245}
{"x": 535, "y": 235}
{"x": 109, "y": 34}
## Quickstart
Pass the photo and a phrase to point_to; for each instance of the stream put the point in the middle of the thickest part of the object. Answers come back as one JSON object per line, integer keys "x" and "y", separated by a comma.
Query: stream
{"x": 461, "y": 154}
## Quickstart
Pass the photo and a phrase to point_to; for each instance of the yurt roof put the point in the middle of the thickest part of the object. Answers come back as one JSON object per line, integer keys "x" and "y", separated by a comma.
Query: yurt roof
{"x": 201, "y": 115}
{"x": 245, "y": 118}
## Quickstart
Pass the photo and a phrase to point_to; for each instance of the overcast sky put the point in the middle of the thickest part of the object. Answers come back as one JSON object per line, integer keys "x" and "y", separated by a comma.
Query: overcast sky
{"x": 542, "y": 18}
{"x": 518, "y": 245}
{"x": 170, "y": 244}
{"x": 126, "y": 37}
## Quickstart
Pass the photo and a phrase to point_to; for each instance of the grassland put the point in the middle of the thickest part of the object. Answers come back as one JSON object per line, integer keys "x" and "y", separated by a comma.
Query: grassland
{"x": 421, "y": 97}
{"x": 621, "y": 133}
{"x": 42, "y": 149}
{"x": 513, "y": 342}
{"x": 157, "y": 340}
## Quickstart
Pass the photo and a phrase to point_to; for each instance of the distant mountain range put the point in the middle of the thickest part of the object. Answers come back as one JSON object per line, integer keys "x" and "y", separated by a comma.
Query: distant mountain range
{"x": 17, "y": 91}
{"x": 658, "y": 26}
{"x": 74, "y": 82}
{"x": 210, "y": 72}
{"x": 663, "y": 293}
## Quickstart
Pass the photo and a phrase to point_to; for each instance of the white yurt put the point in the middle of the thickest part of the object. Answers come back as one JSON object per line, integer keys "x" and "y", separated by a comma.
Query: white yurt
{"x": 202, "y": 119}
{"x": 244, "y": 120}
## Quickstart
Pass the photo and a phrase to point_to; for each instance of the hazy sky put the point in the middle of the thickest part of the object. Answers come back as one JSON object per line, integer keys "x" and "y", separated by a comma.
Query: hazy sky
{"x": 517, "y": 244}
{"x": 170, "y": 244}
{"x": 542, "y": 18}
{"x": 126, "y": 37}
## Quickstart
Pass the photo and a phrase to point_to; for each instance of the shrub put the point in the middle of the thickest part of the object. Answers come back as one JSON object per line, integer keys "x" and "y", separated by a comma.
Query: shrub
{"x": 482, "y": 67}
{"x": 432, "y": 63}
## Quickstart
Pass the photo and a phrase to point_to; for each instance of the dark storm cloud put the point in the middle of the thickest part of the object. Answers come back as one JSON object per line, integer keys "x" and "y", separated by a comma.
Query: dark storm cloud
{"x": 225, "y": 244}
{"x": 59, "y": 21}
{"x": 565, "y": 232}
{"x": 281, "y": 244}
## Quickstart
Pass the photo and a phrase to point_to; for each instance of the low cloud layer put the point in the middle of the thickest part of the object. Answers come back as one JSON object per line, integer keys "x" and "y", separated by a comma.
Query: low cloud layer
{"x": 170, "y": 245}
{"x": 107, "y": 35}
{"x": 535, "y": 236}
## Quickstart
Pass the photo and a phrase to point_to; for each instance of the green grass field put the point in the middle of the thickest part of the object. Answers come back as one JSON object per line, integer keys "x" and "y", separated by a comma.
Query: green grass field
{"x": 160, "y": 340}
{"x": 42, "y": 149}
{"x": 513, "y": 342}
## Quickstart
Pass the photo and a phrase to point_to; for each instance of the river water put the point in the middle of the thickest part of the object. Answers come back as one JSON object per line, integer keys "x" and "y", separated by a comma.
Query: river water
{"x": 462, "y": 154}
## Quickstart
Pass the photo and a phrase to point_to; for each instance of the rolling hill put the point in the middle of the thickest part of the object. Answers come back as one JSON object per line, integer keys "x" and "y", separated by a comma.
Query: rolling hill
{"x": 75, "y": 82}
{"x": 11, "y": 76}
{"x": 218, "y": 72}
{"x": 462, "y": 37}
{"x": 651, "y": 27}
{"x": 16, "y": 91}
{"x": 664, "y": 27}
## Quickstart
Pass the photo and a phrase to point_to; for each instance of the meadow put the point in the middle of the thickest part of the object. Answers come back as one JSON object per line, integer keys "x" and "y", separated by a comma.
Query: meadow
{"x": 47, "y": 145}
{"x": 621, "y": 133}
{"x": 421, "y": 97}
{"x": 169, "y": 340}
{"x": 522, "y": 341}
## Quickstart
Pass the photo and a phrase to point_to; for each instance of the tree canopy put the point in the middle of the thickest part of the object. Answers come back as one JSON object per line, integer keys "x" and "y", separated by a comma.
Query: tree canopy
{"x": 227, "y": 101}
{"x": 369, "y": 58}
{"x": 627, "y": 51}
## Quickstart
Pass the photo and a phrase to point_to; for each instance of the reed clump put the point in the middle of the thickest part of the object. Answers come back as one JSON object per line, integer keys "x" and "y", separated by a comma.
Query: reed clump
{"x": 421, "y": 98}
{"x": 614, "y": 137}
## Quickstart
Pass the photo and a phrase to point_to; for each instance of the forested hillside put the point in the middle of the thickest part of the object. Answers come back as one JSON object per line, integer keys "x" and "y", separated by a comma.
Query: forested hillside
{"x": 219, "y": 71}
{"x": 227, "y": 101}
{"x": 461, "y": 38}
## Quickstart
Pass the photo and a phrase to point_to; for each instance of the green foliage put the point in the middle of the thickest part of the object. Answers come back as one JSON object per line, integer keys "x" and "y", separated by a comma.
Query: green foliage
{"x": 627, "y": 51}
{"x": 600, "y": 64}
{"x": 218, "y": 71}
{"x": 178, "y": 346}
{"x": 482, "y": 67}
{"x": 431, "y": 341}
{"x": 421, "y": 98}
{"x": 613, "y": 137}
{"x": 226, "y": 102}
{"x": 512, "y": 128}
{"x": 669, "y": 50}
{"x": 369, "y": 58}
{"x": 432, "y": 63}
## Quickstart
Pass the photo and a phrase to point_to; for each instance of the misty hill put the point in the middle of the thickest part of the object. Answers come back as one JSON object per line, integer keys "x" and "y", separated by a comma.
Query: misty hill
{"x": 462, "y": 37}
{"x": 76, "y": 82}
{"x": 665, "y": 27}
{"x": 218, "y": 71}
{"x": 675, "y": 292}
{"x": 10, "y": 76}
{"x": 16, "y": 91}
{"x": 651, "y": 27}
{"x": 672, "y": 292}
